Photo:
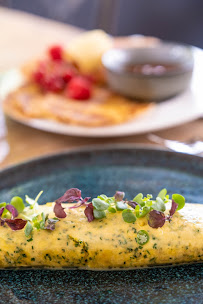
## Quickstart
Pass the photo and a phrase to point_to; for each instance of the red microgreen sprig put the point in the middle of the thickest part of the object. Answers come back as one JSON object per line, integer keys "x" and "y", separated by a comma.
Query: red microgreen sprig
{"x": 70, "y": 196}
{"x": 157, "y": 219}
{"x": 13, "y": 223}
{"x": 89, "y": 212}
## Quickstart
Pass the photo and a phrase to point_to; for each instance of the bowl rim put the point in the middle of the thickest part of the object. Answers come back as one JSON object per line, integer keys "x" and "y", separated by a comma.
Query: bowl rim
{"x": 187, "y": 65}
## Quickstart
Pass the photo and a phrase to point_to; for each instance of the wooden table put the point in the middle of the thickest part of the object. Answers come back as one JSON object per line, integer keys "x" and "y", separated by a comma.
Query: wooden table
{"x": 25, "y": 36}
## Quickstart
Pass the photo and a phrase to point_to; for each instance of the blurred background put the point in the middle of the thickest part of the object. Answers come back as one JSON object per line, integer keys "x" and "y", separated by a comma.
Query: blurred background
{"x": 171, "y": 20}
{"x": 28, "y": 28}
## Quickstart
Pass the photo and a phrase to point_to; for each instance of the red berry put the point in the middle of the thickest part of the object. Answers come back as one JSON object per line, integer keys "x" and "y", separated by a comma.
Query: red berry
{"x": 38, "y": 76}
{"x": 69, "y": 73}
{"x": 56, "y": 52}
{"x": 53, "y": 84}
{"x": 79, "y": 88}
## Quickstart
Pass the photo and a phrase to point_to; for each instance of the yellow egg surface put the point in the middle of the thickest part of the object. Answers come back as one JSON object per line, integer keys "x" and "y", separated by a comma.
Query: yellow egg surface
{"x": 108, "y": 243}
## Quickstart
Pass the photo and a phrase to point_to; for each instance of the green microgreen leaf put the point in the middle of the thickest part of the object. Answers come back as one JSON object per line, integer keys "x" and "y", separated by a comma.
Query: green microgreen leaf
{"x": 42, "y": 222}
{"x": 110, "y": 200}
{"x": 36, "y": 222}
{"x": 162, "y": 194}
{"x": 102, "y": 197}
{"x": 32, "y": 202}
{"x": 138, "y": 198}
{"x": 179, "y": 199}
{"x": 28, "y": 229}
{"x": 29, "y": 200}
{"x": 149, "y": 203}
{"x": 17, "y": 202}
{"x": 112, "y": 209}
{"x": 137, "y": 211}
{"x": 142, "y": 237}
{"x": 38, "y": 196}
{"x": 121, "y": 206}
{"x": 159, "y": 205}
{"x": 128, "y": 216}
{"x": 2, "y": 205}
{"x": 145, "y": 210}
{"x": 99, "y": 204}
{"x": 99, "y": 214}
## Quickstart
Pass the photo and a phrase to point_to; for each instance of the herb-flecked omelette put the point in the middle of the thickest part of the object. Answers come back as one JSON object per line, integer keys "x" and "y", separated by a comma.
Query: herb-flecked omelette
{"x": 102, "y": 233}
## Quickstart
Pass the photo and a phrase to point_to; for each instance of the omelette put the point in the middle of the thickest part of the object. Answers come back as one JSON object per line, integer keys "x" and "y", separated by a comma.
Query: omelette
{"x": 101, "y": 234}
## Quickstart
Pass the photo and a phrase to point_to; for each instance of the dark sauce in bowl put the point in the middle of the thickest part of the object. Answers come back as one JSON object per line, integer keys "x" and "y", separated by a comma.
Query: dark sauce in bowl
{"x": 156, "y": 69}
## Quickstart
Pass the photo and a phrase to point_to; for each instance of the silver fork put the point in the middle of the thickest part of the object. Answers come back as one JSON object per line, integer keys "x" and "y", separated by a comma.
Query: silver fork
{"x": 193, "y": 146}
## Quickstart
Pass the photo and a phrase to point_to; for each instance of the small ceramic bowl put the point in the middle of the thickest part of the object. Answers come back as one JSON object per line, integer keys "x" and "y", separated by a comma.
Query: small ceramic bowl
{"x": 152, "y": 73}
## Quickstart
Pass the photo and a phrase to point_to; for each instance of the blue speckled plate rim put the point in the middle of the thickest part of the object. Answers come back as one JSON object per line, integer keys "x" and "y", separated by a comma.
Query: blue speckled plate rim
{"x": 100, "y": 147}
{"x": 94, "y": 149}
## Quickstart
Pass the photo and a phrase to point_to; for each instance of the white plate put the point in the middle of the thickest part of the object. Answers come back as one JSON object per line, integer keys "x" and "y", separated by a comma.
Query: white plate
{"x": 175, "y": 111}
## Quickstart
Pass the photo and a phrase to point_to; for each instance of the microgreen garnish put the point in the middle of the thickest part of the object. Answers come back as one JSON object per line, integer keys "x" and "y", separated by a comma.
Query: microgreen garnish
{"x": 121, "y": 206}
{"x": 99, "y": 204}
{"x": 139, "y": 207}
{"x": 128, "y": 216}
{"x": 17, "y": 202}
{"x": 8, "y": 214}
{"x": 70, "y": 196}
{"x": 159, "y": 205}
{"x": 132, "y": 204}
{"x": 138, "y": 199}
{"x": 179, "y": 200}
{"x": 156, "y": 219}
{"x": 28, "y": 229}
{"x": 98, "y": 214}
{"x": 17, "y": 216}
{"x": 59, "y": 211}
{"x": 51, "y": 223}
{"x": 12, "y": 210}
{"x": 119, "y": 196}
{"x": 112, "y": 209}
{"x": 89, "y": 212}
{"x": 15, "y": 224}
{"x": 162, "y": 194}
{"x": 173, "y": 209}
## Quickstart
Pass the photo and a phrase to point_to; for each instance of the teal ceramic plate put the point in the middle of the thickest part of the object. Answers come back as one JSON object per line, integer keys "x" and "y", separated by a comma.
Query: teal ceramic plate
{"x": 96, "y": 171}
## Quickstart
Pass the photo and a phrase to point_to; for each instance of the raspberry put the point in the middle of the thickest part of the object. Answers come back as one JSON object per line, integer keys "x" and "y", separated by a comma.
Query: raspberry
{"x": 69, "y": 73}
{"x": 53, "y": 84}
{"x": 56, "y": 52}
{"x": 79, "y": 88}
{"x": 38, "y": 76}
